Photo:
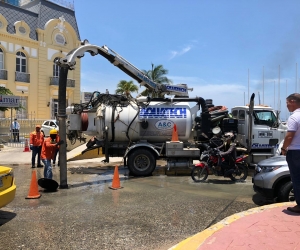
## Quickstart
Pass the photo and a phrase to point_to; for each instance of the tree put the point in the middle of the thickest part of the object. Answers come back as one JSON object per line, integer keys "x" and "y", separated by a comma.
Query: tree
{"x": 5, "y": 91}
{"x": 126, "y": 88}
{"x": 156, "y": 74}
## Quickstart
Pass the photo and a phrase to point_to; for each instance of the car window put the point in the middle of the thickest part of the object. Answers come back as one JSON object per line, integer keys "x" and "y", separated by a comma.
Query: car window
{"x": 46, "y": 123}
{"x": 52, "y": 124}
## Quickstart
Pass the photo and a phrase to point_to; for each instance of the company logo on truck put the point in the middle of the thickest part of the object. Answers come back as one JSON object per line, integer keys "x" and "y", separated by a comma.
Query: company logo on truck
{"x": 176, "y": 89}
{"x": 151, "y": 112}
{"x": 164, "y": 124}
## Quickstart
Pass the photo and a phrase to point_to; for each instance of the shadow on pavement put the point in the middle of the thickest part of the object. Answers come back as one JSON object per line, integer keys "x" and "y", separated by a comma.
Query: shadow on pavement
{"x": 260, "y": 200}
{"x": 6, "y": 217}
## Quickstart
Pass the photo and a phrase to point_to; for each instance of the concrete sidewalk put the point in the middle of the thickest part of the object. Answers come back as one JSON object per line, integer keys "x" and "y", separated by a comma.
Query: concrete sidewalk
{"x": 269, "y": 227}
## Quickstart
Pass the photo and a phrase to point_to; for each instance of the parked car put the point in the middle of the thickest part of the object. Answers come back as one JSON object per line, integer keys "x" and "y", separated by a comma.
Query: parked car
{"x": 48, "y": 125}
{"x": 272, "y": 179}
{"x": 7, "y": 186}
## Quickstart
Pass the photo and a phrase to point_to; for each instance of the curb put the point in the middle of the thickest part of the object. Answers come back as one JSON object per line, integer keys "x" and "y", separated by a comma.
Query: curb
{"x": 195, "y": 241}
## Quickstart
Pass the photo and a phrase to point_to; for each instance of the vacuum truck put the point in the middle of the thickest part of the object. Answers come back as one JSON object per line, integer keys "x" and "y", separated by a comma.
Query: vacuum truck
{"x": 142, "y": 130}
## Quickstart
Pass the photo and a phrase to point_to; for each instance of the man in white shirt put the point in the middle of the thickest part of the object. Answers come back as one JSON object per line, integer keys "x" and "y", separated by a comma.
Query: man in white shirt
{"x": 291, "y": 146}
{"x": 15, "y": 128}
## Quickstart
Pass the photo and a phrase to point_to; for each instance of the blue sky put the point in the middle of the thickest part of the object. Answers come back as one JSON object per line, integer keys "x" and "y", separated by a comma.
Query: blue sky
{"x": 216, "y": 47}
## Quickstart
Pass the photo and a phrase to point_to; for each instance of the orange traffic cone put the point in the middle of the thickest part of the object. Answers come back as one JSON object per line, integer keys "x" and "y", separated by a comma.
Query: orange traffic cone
{"x": 26, "y": 149}
{"x": 33, "y": 190}
{"x": 116, "y": 180}
{"x": 175, "y": 134}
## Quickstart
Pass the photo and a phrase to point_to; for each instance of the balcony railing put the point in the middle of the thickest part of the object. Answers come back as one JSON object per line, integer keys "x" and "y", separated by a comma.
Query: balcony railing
{"x": 54, "y": 80}
{"x": 22, "y": 77}
{"x": 3, "y": 74}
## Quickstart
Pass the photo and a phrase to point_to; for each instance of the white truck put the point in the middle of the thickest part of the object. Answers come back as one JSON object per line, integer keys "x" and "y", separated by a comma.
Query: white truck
{"x": 140, "y": 129}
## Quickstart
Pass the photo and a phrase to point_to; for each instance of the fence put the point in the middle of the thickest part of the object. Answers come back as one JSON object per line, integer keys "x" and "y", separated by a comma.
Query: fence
{"x": 26, "y": 127}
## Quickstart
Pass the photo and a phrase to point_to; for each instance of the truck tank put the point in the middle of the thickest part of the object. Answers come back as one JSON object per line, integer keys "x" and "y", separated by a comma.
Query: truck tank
{"x": 153, "y": 123}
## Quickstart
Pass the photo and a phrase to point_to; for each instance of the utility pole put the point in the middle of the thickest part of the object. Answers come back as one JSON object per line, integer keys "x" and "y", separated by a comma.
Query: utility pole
{"x": 62, "y": 90}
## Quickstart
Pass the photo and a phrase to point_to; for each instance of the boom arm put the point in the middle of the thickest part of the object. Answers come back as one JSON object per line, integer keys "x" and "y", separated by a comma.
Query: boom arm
{"x": 124, "y": 65}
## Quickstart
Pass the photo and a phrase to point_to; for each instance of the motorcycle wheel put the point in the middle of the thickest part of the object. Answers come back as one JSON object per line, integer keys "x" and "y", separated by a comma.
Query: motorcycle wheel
{"x": 240, "y": 173}
{"x": 199, "y": 174}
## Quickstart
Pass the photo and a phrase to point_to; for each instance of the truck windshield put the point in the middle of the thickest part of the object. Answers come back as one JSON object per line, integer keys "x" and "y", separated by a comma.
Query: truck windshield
{"x": 264, "y": 117}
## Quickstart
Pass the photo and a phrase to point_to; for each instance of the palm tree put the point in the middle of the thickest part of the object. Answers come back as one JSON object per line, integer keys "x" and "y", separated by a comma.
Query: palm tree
{"x": 156, "y": 74}
{"x": 126, "y": 88}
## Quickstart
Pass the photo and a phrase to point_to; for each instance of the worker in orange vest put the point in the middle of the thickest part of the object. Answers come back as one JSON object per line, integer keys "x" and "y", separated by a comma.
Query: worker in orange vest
{"x": 49, "y": 147}
{"x": 56, "y": 152}
{"x": 36, "y": 141}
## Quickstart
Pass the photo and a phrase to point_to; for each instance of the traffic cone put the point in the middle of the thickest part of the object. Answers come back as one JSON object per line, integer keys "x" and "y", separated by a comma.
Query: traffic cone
{"x": 33, "y": 190}
{"x": 175, "y": 134}
{"x": 26, "y": 149}
{"x": 116, "y": 180}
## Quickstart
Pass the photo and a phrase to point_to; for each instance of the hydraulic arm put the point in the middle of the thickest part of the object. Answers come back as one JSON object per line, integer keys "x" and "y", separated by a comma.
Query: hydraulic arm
{"x": 124, "y": 65}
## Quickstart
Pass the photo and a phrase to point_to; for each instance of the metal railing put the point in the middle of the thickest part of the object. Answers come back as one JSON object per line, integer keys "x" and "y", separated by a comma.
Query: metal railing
{"x": 3, "y": 74}
{"x": 22, "y": 77}
{"x": 26, "y": 127}
{"x": 54, "y": 80}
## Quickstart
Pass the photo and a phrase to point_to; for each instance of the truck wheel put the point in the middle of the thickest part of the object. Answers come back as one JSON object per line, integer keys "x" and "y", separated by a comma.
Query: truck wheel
{"x": 199, "y": 174}
{"x": 141, "y": 162}
{"x": 286, "y": 192}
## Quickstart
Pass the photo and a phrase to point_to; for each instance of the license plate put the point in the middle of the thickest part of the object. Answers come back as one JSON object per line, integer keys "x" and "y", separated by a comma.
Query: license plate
{"x": 1, "y": 183}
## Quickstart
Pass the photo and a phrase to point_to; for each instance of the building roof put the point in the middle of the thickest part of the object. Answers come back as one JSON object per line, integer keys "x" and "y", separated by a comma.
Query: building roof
{"x": 36, "y": 14}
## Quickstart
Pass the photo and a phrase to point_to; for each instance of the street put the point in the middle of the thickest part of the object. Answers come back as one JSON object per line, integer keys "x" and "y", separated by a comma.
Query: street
{"x": 153, "y": 212}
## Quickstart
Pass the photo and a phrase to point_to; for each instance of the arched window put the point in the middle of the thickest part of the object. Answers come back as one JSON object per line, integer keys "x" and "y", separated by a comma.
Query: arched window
{"x": 21, "y": 62}
{"x": 56, "y": 70}
{"x": 1, "y": 59}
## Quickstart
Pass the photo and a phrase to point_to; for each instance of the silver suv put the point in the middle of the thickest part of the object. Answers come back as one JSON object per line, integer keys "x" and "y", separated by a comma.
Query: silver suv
{"x": 272, "y": 179}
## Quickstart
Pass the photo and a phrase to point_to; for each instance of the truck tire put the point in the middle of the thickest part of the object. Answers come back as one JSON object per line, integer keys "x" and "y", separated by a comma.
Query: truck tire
{"x": 286, "y": 192}
{"x": 141, "y": 162}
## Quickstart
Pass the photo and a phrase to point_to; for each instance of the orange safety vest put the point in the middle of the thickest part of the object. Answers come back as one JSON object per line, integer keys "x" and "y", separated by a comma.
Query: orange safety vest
{"x": 36, "y": 139}
{"x": 48, "y": 149}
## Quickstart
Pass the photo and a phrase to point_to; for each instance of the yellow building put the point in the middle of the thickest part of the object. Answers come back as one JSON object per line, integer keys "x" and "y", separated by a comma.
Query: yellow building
{"x": 32, "y": 34}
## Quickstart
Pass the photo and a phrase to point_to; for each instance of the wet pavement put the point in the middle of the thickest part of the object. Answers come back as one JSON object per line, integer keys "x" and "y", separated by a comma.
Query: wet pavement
{"x": 154, "y": 212}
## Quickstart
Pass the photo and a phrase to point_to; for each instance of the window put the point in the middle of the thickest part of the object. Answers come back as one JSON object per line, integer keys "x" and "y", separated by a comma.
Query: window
{"x": 265, "y": 117}
{"x": 1, "y": 59}
{"x": 22, "y": 113}
{"x": 21, "y": 62}
{"x": 241, "y": 115}
{"x": 60, "y": 39}
{"x": 234, "y": 113}
{"x": 56, "y": 70}
{"x": 54, "y": 110}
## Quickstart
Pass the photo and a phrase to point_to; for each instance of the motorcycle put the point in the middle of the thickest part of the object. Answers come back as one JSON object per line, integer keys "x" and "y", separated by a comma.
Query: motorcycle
{"x": 211, "y": 161}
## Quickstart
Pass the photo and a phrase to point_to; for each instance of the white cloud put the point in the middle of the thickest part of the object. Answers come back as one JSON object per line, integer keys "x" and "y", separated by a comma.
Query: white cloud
{"x": 180, "y": 52}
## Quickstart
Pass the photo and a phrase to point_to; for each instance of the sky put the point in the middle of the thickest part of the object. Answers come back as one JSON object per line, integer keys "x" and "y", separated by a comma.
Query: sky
{"x": 224, "y": 50}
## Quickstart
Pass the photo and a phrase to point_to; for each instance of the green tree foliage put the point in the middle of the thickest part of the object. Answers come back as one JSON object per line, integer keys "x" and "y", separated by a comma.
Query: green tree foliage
{"x": 5, "y": 91}
{"x": 156, "y": 74}
{"x": 126, "y": 88}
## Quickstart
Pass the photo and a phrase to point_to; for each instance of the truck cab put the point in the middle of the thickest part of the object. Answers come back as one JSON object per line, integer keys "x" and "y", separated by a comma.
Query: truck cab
{"x": 261, "y": 133}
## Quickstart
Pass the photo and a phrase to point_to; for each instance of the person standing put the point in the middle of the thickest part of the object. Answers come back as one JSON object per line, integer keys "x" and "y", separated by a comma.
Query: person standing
{"x": 15, "y": 129}
{"x": 291, "y": 146}
{"x": 36, "y": 142}
{"x": 48, "y": 149}
{"x": 56, "y": 152}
